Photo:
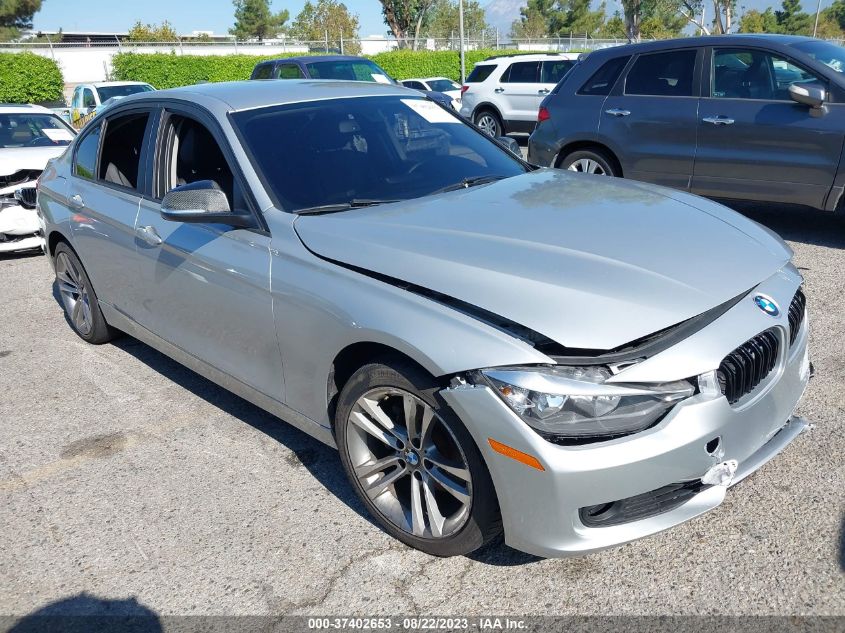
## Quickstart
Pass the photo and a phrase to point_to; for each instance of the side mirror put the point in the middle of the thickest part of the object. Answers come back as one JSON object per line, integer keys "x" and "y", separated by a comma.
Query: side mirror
{"x": 201, "y": 201}
{"x": 509, "y": 144}
{"x": 811, "y": 95}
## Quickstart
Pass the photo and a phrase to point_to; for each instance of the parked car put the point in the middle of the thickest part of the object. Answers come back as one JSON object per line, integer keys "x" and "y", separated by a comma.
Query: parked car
{"x": 87, "y": 98}
{"x": 30, "y": 135}
{"x": 746, "y": 117}
{"x": 583, "y": 361}
{"x": 445, "y": 85}
{"x": 344, "y": 67}
{"x": 502, "y": 94}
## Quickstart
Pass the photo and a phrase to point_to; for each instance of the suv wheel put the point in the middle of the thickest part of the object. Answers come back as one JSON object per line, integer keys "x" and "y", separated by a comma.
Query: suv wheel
{"x": 489, "y": 123}
{"x": 589, "y": 162}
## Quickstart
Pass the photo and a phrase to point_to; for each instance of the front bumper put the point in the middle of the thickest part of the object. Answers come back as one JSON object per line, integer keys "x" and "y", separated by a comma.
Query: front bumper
{"x": 540, "y": 509}
{"x": 19, "y": 229}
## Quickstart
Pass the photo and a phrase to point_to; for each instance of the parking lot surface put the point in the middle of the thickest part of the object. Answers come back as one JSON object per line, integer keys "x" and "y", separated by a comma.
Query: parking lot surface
{"x": 124, "y": 475}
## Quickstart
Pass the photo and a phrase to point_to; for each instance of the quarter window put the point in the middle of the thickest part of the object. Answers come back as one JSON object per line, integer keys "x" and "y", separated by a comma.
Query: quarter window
{"x": 88, "y": 100}
{"x": 480, "y": 73}
{"x": 521, "y": 73}
{"x": 754, "y": 74}
{"x": 603, "y": 80}
{"x": 553, "y": 71}
{"x": 85, "y": 163}
{"x": 120, "y": 157}
{"x": 662, "y": 74}
{"x": 264, "y": 71}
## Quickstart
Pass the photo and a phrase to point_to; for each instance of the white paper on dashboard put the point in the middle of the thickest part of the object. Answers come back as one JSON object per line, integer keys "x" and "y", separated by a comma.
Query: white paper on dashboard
{"x": 57, "y": 134}
{"x": 430, "y": 111}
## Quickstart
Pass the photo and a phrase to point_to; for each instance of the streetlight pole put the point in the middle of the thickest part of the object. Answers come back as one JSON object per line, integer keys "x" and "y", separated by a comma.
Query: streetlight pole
{"x": 461, "y": 32}
{"x": 818, "y": 10}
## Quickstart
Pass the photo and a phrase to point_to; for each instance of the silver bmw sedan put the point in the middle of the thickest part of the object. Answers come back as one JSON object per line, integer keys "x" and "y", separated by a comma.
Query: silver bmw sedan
{"x": 574, "y": 360}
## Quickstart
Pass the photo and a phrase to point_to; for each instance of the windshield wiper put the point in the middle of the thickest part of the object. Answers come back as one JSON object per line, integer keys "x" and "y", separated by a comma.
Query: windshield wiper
{"x": 355, "y": 203}
{"x": 469, "y": 182}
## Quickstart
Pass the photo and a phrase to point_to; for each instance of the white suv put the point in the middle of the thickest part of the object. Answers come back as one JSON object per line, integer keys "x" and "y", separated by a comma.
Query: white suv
{"x": 502, "y": 94}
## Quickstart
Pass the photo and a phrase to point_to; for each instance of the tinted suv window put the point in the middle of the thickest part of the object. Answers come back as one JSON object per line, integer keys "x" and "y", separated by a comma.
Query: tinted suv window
{"x": 521, "y": 73}
{"x": 662, "y": 74}
{"x": 553, "y": 71}
{"x": 602, "y": 81}
{"x": 754, "y": 74}
{"x": 480, "y": 73}
{"x": 88, "y": 99}
{"x": 85, "y": 163}
{"x": 121, "y": 153}
{"x": 265, "y": 71}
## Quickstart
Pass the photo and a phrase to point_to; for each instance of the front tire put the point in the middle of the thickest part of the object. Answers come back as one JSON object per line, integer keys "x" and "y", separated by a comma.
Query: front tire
{"x": 79, "y": 299}
{"x": 590, "y": 162}
{"x": 412, "y": 462}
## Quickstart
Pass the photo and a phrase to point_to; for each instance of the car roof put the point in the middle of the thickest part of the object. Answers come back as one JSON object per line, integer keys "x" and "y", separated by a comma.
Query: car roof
{"x": 245, "y": 95}
{"x": 305, "y": 59}
{"x": 23, "y": 108}
{"x": 425, "y": 78}
{"x": 529, "y": 57}
{"x": 738, "y": 39}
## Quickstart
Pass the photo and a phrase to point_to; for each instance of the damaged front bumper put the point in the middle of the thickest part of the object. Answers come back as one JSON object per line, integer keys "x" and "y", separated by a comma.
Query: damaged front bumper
{"x": 20, "y": 229}
{"x": 581, "y": 498}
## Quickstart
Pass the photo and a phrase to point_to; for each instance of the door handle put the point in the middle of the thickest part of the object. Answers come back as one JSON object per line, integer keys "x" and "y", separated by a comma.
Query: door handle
{"x": 617, "y": 112}
{"x": 76, "y": 201}
{"x": 718, "y": 120}
{"x": 543, "y": 91}
{"x": 149, "y": 235}
{"x": 498, "y": 90}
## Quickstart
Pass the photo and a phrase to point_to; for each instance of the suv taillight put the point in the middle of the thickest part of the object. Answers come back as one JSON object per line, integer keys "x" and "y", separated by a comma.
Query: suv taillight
{"x": 464, "y": 89}
{"x": 543, "y": 114}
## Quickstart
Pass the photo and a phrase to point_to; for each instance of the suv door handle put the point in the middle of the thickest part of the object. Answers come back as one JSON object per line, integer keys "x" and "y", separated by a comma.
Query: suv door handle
{"x": 498, "y": 90}
{"x": 718, "y": 120}
{"x": 76, "y": 201}
{"x": 543, "y": 91}
{"x": 617, "y": 112}
{"x": 149, "y": 235}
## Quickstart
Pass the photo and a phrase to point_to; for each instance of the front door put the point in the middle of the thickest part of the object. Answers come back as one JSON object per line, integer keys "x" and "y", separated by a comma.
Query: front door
{"x": 207, "y": 286}
{"x": 651, "y": 116}
{"x": 754, "y": 142}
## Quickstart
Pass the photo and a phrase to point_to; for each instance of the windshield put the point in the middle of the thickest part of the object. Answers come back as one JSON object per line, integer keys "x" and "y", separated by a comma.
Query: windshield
{"x": 33, "y": 130}
{"x": 442, "y": 85}
{"x": 349, "y": 69}
{"x": 107, "y": 92}
{"x": 828, "y": 54}
{"x": 373, "y": 149}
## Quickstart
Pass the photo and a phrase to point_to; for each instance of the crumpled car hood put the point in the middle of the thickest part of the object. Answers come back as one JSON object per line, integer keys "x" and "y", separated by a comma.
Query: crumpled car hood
{"x": 589, "y": 262}
{"x": 17, "y": 158}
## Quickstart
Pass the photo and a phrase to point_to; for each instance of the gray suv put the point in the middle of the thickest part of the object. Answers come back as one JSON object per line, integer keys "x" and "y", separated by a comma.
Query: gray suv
{"x": 744, "y": 117}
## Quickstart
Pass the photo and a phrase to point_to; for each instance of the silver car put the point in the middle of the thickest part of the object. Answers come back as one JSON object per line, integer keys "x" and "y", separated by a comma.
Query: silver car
{"x": 577, "y": 361}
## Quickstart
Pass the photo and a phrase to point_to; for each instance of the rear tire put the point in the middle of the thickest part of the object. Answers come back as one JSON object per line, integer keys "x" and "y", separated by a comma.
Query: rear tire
{"x": 590, "y": 161}
{"x": 412, "y": 462}
{"x": 489, "y": 122}
{"x": 79, "y": 299}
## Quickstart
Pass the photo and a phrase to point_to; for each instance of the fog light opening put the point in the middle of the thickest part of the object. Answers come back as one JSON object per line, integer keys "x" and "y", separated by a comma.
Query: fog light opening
{"x": 712, "y": 447}
{"x": 599, "y": 510}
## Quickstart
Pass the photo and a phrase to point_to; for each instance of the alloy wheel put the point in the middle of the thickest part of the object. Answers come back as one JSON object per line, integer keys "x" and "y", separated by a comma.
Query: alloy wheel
{"x": 75, "y": 294}
{"x": 487, "y": 123}
{"x": 587, "y": 166}
{"x": 409, "y": 463}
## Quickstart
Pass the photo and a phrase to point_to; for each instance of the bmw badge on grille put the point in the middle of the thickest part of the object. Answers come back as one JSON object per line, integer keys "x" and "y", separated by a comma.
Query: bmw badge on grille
{"x": 767, "y": 305}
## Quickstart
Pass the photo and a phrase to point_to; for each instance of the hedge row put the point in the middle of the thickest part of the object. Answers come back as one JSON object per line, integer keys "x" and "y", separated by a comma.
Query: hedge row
{"x": 29, "y": 78}
{"x": 168, "y": 70}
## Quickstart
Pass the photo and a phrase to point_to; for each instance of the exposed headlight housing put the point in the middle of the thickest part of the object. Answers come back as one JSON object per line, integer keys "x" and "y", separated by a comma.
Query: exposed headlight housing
{"x": 576, "y": 404}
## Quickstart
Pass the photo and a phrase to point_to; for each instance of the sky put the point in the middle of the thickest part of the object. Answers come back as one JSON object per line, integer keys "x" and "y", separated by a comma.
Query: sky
{"x": 217, "y": 15}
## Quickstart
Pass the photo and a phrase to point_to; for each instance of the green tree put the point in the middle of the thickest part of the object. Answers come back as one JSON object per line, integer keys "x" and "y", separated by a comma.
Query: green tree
{"x": 163, "y": 32}
{"x": 792, "y": 20}
{"x": 406, "y": 19}
{"x": 754, "y": 21}
{"x": 614, "y": 27}
{"x": 835, "y": 13}
{"x": 531, "y": 24}
{"x": 444, "y": 20}
{"x": 327, "y": 18}
{"x": 16, "y": 15}
{"x": 561, "y": 17}
{"x": 254, "y": 19}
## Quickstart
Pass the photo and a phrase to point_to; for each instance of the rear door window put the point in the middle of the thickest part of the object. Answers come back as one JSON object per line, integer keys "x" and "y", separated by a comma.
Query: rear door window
{"x": 668, "y": 74}
{"x": 603, "y": 80}
{"x": 522, "y": 73}
{"x": 88, "y": 100}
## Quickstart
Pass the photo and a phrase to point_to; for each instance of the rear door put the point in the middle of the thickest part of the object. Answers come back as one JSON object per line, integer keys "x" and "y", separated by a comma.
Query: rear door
{"x": 104, "y": 193}
{"x": 652, "y": 114}
{"x": 520, "y": 93}
{"x": 754, "y": 142}
{"x": 207, "y": 286}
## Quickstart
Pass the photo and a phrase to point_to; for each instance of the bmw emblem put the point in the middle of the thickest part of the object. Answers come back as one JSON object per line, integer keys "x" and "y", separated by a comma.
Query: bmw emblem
{"x": 767, "y": 305}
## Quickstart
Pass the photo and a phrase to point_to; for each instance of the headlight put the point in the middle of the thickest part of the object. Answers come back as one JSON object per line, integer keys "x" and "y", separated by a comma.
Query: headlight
{"x": 571, "y": 403}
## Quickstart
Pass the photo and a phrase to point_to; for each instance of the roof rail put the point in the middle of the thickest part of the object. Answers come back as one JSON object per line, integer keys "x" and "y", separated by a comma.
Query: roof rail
{"x": 487, "y": 59}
